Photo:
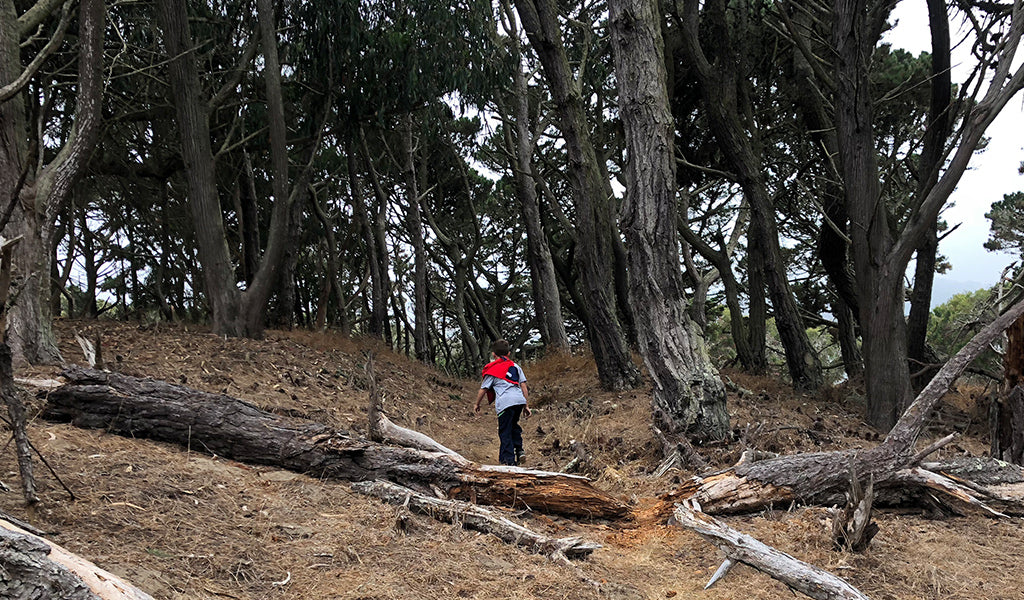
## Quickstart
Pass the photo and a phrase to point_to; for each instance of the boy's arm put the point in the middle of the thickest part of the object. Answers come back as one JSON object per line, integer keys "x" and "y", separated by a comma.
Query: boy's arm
{"x": 526, "y": 394}
{"x": 480, "y": 394}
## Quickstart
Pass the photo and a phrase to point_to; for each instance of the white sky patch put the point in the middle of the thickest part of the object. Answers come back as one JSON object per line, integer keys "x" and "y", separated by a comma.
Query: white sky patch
{"x": 992, "y": 174}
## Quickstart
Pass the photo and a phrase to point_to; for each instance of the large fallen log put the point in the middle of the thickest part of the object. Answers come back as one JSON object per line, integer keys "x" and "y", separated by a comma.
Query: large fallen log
{"x": 35, "y": 568}
{"x": 821, "y": 478}
{"x": 235, "y": 429}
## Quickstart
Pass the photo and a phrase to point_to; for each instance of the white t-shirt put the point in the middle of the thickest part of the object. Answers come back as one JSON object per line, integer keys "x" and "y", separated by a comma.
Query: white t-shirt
{"x": 505, "y": 393}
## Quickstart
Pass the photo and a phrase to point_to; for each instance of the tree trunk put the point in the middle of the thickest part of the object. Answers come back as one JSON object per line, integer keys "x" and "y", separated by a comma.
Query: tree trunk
{"x": 721, "y": 261}
{"x": 880, "y": 283}
{"x": 232, "y": 428}
{"x": 379, "y": 325}
{"x": 414, "y": 223}
{"x": 546, "y": 299}
{"x": 194, "y": 132}
{"x": 30, "y": 319}
{"x": 726, "y": 103}
{"x": 757, "y": 311}
{"x": 591, "y": 193}
{"x": 687, "y": 388}
{"x": 932, "y": 156}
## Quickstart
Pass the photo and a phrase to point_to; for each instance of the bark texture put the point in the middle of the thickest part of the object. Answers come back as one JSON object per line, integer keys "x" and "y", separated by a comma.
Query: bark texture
{"x": 36, "y": 569}
{"x": 235, "y": 429}
{"x": 687, "y": 389}
{"x": 46, "y": 192}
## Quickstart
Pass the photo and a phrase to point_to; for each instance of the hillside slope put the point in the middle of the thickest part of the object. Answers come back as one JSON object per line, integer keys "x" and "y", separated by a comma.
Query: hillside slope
{"x": 181, "y": 523}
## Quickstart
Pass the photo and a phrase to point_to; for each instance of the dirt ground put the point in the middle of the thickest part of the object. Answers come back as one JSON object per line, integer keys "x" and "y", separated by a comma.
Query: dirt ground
{"x": 180, "y": 523}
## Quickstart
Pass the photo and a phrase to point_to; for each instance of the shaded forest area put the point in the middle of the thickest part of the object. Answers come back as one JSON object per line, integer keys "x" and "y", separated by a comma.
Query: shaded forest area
{"x": 664, "y": 191}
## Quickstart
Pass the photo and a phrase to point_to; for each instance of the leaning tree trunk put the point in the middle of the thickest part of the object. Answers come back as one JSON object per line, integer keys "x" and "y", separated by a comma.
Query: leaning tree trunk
{"x": 542, "y": 269}
{"x": 194, "y": 131}
{"x": 30, "y": 319}
{"x": 591, "y": 193}
{"x": 232, "y": 428}
{"x": 687, "y": 388}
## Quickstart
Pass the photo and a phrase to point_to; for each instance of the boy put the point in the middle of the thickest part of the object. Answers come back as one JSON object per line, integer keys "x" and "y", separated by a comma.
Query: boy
{"x": 505, "y": 384}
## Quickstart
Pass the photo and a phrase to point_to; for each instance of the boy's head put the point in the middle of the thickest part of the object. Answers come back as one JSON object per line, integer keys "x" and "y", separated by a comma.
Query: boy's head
{"x": 500, "y": 348}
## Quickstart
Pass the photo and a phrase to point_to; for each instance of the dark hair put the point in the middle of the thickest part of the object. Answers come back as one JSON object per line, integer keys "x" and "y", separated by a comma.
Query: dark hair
{"x": 500, "y": 348}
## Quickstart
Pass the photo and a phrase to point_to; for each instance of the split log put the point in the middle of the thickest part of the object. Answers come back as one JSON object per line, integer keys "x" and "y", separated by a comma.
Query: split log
{"x": 235, "y": 429}
{"x": 821, "y": 478}
{"x": 739, "y": 547}
{"x": 478, "y": 518}
{"x": 35, "y": 568}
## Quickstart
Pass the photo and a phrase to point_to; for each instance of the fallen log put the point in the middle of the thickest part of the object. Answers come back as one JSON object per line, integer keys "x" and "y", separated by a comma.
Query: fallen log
{"x": 34, "y": 567}
{"x": 739, "y": 547}
{"x": 478, "y": 518}
{"x": 821, "y": 478}
{"x": 235, "y": 429}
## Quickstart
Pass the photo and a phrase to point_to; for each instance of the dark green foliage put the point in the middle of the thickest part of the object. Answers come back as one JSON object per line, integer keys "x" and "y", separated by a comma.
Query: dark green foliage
{"x": 1007, "y": 228}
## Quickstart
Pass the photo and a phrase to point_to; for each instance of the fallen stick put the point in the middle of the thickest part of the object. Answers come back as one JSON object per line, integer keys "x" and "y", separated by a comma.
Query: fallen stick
{"x": 739, "y": 547}
{"x": 478, "y": 518}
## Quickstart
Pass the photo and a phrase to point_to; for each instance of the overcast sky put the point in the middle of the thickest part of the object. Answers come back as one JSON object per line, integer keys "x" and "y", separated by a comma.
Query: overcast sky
{"x": 992, "y": 174}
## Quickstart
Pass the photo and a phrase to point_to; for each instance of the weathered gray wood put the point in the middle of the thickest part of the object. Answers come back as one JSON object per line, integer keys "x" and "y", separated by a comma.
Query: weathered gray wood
{"x": 32, "y": 568}
{"x": 822, "y": 477}
{"x": 476, "y": 517}
{"x": 233, "y": 428}
{"x": 743, "y": 548}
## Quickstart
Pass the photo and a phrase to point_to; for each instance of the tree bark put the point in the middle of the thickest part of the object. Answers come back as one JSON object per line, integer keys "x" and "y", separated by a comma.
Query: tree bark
{"x": 30, "y": 319}
{"x": 687, "y": 388}
{"x": 591, "y": 194}
{"x": 144, "y": 408}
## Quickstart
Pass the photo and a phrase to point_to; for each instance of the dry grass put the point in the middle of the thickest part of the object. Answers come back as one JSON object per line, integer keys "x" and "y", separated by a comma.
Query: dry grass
{"x": 183, "y": 524}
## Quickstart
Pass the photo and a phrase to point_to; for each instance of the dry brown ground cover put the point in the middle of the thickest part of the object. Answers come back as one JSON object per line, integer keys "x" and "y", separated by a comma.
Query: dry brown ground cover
{"x": 181, "y": 523}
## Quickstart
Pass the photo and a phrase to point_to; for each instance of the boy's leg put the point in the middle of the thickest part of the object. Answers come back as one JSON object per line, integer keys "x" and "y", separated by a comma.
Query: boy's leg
{"x": 517, "y": 435}
{"x": 506, "y": 450}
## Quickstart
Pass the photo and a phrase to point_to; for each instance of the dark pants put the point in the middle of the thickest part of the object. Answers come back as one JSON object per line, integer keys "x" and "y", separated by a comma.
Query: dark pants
{"x": 510, "y": 434}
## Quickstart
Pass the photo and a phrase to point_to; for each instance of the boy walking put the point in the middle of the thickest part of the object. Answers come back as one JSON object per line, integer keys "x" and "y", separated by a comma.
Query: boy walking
{"x": 504, "y": 383}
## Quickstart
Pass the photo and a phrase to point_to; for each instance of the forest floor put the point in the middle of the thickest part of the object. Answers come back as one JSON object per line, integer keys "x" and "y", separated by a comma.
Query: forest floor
{"x": 181, "y": 523}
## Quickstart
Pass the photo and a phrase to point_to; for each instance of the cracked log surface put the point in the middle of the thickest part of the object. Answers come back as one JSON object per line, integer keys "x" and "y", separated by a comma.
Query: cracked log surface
{"x": 235, "y": 429}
